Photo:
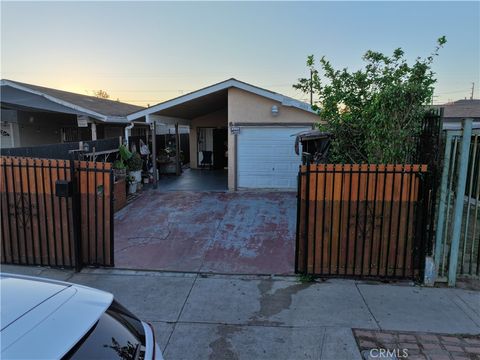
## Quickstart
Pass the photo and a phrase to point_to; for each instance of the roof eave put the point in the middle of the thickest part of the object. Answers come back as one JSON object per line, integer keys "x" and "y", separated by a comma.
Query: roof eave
{"x": 284, "y": 100}
{"x": 94, "y": 114}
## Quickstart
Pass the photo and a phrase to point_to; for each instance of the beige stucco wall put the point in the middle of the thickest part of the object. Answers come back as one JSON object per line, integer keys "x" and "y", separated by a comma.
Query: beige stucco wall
{"x": 245, "y": 107}
{"x": 215, "y": 119}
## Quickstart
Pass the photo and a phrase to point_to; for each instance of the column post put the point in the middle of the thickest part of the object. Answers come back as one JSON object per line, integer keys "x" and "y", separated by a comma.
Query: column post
{"x": 153, "y": 127}
{"x": 459, "y": 200}
{"x": 93, "y": 128}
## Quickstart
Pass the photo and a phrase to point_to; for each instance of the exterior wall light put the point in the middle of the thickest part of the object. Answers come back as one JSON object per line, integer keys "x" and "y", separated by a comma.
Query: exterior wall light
{"x": 275, "y": 110}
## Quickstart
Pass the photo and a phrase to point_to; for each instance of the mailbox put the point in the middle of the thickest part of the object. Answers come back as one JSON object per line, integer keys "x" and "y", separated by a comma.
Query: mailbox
{"x": 63, "y": 188}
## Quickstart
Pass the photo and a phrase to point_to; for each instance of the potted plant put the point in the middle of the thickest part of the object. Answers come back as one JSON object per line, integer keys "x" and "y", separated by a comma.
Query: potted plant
{"x": 132, "y": 184}
{"x": 119, "y": 167}
{"x": 163, "y": 156}
{"x": 134, "y": 165}
{"x": 119, "y": 170}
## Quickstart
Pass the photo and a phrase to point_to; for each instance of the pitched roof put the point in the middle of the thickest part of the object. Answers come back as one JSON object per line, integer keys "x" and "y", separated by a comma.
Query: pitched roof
{"x": 218, "y": 87}
{"x": 461, "y": 109}
{"x": 97, "y": 107}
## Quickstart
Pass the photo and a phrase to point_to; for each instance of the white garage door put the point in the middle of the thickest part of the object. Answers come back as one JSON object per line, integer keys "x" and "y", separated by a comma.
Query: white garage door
{"x": 266, "y": 157}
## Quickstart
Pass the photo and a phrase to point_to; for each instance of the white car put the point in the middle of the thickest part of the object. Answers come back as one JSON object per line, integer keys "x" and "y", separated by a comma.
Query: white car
{"x": 47, "y": 319}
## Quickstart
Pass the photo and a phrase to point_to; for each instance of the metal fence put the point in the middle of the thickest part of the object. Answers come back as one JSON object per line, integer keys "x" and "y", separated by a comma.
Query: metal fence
{"x": 457, "y": 239}
{"x": 363, "y": 220}
{"x": 37, "y": 226}
{"x": 60, "y": 151}
{"x": 56, "y": 212}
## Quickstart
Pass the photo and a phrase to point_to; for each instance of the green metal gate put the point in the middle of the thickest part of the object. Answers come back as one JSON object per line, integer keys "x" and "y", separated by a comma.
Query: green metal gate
{"x": 457, "y": 238}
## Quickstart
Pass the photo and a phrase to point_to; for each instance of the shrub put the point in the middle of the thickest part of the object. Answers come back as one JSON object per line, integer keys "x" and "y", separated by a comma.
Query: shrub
{"x": 135, "y": 163}
{"x": 375, "y": 114}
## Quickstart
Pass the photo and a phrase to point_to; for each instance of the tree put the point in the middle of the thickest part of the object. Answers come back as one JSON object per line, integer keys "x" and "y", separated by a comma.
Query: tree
{"x": 102, "y": 94}
{"x": 376, "y": 113}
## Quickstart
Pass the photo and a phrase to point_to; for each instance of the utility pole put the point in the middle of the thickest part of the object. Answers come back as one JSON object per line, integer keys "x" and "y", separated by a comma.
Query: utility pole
{"x": 473, "y": 87}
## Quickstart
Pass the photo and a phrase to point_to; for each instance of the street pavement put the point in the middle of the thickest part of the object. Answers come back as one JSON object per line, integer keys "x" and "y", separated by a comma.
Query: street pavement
{"x": 206, "y": 316}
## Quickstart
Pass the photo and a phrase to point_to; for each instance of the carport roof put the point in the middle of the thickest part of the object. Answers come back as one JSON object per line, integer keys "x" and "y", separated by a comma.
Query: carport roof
{"x": 211, "y": 98}
{"x": 33, "y": 97}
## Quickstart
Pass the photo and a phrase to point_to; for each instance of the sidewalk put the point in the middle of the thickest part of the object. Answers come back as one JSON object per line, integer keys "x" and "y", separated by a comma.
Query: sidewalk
{"x": 250, "y": 317}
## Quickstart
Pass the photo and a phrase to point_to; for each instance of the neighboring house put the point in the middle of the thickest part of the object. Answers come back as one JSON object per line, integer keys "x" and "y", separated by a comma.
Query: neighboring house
{"x": 247, "y": 129}
{"x": 35, "y": 115}
{"x": 454, "y": 112}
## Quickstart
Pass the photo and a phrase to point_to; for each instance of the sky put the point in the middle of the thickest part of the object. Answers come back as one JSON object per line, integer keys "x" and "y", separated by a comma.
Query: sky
{"x": 148, "y": 52}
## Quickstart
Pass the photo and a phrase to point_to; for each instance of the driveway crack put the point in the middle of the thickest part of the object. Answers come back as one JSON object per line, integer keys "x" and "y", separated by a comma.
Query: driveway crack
{"x": 463, "y": 310}
{"x": 368, "y": 307}
{"x": 180, "y": 313}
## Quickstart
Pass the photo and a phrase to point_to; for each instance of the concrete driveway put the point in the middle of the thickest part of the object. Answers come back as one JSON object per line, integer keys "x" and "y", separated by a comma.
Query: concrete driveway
{"x": 221, "y": 232}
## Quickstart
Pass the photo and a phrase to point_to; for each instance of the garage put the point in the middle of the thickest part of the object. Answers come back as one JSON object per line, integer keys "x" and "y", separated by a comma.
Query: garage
{"x": 266, "y": 157}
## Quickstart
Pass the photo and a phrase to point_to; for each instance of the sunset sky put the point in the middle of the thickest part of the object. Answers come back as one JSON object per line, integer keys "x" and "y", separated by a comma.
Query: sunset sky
{"x": 147, "y": 52}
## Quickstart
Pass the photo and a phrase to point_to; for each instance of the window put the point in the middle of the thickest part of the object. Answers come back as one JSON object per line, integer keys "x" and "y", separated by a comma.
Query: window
{"x": 69, "y": 134}
{"x": 118, "y": 334}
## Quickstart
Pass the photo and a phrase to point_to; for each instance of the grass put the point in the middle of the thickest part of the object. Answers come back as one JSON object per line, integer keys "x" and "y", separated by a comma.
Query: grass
{"x": 306, "y": 278}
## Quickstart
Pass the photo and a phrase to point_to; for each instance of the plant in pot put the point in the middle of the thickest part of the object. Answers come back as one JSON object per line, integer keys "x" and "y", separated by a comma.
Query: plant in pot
{"x": 163, "y": 156}
{"x": 132, "y": 184}
{"x": 172, "y": 153}
{"x": 119, "y": 170}
{"x": 134, "y": 165}
{"x": 119, "y": 166}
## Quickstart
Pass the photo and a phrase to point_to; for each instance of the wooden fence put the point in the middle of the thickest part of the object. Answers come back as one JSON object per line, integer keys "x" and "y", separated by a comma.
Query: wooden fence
{"x": 56, "y": 212}
{"x": 360, "y": 220}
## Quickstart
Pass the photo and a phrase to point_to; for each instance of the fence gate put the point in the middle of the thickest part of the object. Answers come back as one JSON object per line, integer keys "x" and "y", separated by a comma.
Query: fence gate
{"x": 362, "y": 220}
{"x": 95, "y": 190}
{"x": 457, "y": 238}
{"x": 56, "y": 212}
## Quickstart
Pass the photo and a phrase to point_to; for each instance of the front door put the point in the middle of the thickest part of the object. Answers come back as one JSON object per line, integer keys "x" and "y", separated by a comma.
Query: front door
{"x": 220, "y": 143}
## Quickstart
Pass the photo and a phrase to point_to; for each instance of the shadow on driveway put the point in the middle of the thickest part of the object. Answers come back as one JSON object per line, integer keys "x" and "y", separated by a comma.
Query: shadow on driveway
{"x": 221, "y": 232}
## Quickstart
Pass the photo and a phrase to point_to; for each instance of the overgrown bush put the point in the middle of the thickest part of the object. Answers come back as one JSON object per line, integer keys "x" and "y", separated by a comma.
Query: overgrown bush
{"x": 376, "y": 113}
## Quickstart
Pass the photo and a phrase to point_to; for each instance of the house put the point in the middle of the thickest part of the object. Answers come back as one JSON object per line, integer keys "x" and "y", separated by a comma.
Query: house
{"x": 454, "y": 112}
{"x": 35, "y": 115}
{"x": 248, "y": 130}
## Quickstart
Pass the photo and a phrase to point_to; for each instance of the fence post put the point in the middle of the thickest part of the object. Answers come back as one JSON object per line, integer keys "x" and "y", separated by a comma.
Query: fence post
{"x": 459, "y": 201}
{"x": 442, "y": 205}
{"x": 112, "y": 219}
{"x": 77, "y": 235}
{"x": 299, "y": 202}
{"x": 307, "y": 214}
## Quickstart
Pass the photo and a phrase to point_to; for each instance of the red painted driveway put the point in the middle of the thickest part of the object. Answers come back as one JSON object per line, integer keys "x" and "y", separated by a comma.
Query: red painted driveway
{"x": 221, "y": 232}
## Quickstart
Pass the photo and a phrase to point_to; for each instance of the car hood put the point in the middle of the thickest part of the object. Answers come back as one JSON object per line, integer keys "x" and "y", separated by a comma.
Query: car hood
{"x": 64, "y": 313}
{"x": 21, "y": 295}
